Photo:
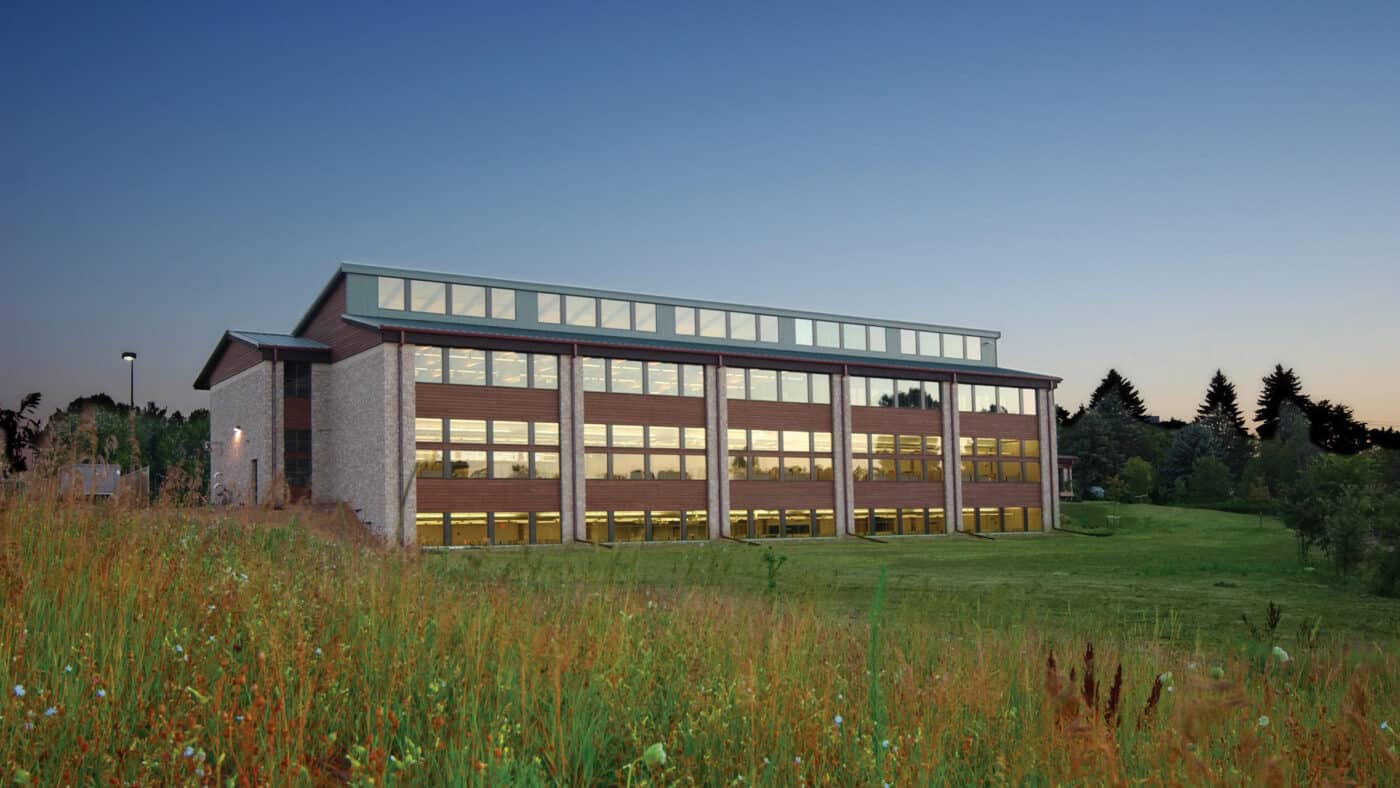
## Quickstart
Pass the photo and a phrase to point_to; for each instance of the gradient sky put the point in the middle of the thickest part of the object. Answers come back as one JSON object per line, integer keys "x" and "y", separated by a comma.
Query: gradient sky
{"x": 1162, "y": 191}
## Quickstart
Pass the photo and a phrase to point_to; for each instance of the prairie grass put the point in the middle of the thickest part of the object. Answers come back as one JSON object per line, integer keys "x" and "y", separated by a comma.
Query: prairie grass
{"x": 181, "y": 645}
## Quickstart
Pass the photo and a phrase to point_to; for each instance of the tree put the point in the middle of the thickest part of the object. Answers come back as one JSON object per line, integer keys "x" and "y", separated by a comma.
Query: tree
{"x": 1280, "y": 386}
{"x": 1336, "y": 429}
{"x": 18, "y": 432}
{"x": 1139, "y": 478}
{"x": 1348, "y": 525}
{"x": 1283, "y": 460}
{"x": 1222, "y": 404}
{"x": 1190, "y": 444}
{"x": 1127, "y": 394}
{"x": 1209, "y": 481}
{"x": 1313, "y": 496}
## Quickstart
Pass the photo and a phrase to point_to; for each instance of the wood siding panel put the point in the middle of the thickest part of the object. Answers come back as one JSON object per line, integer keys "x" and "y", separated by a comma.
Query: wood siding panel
{"x": 1001, "y": 494}
{"x": 998, "y": 425}
{"x": 872, "y": 495}
{"x": 782, "y": 495}
{"x": 329, "y": 327}
{"x": 601, "y": 408}
{"x": 618, "y": 495}
{"x": 236, "y": 358}
{"x": 902, "y": 421}
{"x": 296, "y": 412}
{"x": 488, "y": 495}
{"x": 445, "y": 400}
{"x": 779, "y": 415}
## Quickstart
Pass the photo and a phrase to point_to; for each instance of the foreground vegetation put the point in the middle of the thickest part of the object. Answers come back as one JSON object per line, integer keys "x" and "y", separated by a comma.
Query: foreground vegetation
{"x": 177, "y": 645}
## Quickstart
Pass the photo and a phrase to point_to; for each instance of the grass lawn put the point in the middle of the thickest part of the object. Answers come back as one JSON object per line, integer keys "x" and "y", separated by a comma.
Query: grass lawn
{"x": 1165, "y": 573}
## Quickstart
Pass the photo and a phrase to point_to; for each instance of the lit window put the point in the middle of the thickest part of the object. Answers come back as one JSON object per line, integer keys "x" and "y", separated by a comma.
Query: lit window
{"x": 881, "y": 443}
{"x": 743, "y": 326}
{"x": 469, "y": 464}
{"x": 430, "y": 530}
{"x": 580, "y": 311}
{"x": 765, "y": 468}
{"x": 510, "y": 465}
{"x": 595, "y": 374}
{"x": 1032, "y": 473}
{"x": 428, "y": 463}
{"x": 860, "y": 443}
{"x": 821, "y": 468}
{"x": 828, "y": 334}
{"x": 797, "y": 468}
{"x": 516, "y": 433}
{"x": 595, "y": 465}
{"x": 908, "y": 345}
{"x": 685, "y": 321}
{"x": 795, "y": 387}
{"x": 510, "y": 527}
{"x": 986, "y": 447}
{"x": 502, "y": 304}
{"x": 646, "y": 316}
{"x": 428, "y": 296}
{"x": 546, "y": 371}
{"x": 767, "y": 328}
{"x": 627, "y": 436}
{"x": 797, "y": 441}
{"x": 696, "y": 468}
{"x": 934, "y": 444}
{"x": 468, "y": 301}
{"x": 467, "y": 430}
{"x": 695, "y": 437}
{"x": 616, "y": 314}
{"x": 427, "y": 430}
{"x": 852, "y": 336}
{"x": 626, "y": 376}
{"x": 548, "y": 529}
{"x": 1031, "y": 448}
{"x": 738, "y": 467}
{"x": 711, "y": 323}
{"x": 663, "y": 437}
{"x": 737, "y": 439}
{"x": 910, "y": 444}
{"x": 427, "y": 364}
{"x": 629, "y": 467}
{"x": 694, "y": 375}
{"x": 877, "y": 339}
{"x": 804, "y": 331}
{"x": 549, "y": 308}
{"x": 821, "y": 442}
{"x": 546, "y": 464}
{"x": 952, "y": 346}
{"x": 508, "y": 369}
{"x": 595, "y": 435}
{"x": 466, "y": 367}
{"x": 666, "y": 467}
{"x": 763, "y": 385}
{"x": 665, "y": 526}
{"x": 734, "y": 387}
{"x": 661, "y": 378}
{"x": 391, "y": 293}
{"x": 546, "y": 433}
{"x": 763, "y": 440}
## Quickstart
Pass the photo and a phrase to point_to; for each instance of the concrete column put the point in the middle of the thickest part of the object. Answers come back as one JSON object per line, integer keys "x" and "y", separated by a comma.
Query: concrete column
{"x": 1051, "y": 465}
{"x": 404, "y": 435}
{"x": 952, "y": 465}
{"x": 567, "y": 450}
{"x": 841, "y": 455}
{"x": 580, "y": 487}
{"x": 717, "y": 441}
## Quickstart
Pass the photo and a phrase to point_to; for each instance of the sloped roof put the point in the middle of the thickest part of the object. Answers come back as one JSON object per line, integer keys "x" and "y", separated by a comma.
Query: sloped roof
{"x": 307, "y": 349}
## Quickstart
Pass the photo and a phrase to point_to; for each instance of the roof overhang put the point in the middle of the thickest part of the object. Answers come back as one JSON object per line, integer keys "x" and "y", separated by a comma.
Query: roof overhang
{"x": 273, "y": 347}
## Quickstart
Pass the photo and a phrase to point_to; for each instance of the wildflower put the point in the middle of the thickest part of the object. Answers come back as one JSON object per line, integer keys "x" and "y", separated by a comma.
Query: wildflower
{"x": 1170, "y": 688}
{"x": 797, "y": 761}
{"x": 655, "y": 755}
{"x": 212, "y": 608}
{"x": 50, "y": 711}
{"x": 67, "y": 668}
{"x": 19, "y": 690}
{"x": 189, "y": 751}
{"x": 1217, "y": 673}
{"x": 1190, "y": 666}
{"x": 1263, "y": 721}
{"x": 1165, "y": 678}
{"x": 239, "y": 718}
{"x": 1385, "y": 726}
{"x": 29, "y": 726}
{"x": 179, "y": 649}
{"x": 838, "y": 720}
{"x": 318, "y": 651}
{"x": 1281, "y": 655}
{"x": 101, "y": 693}
{"x": 885, "y": 744}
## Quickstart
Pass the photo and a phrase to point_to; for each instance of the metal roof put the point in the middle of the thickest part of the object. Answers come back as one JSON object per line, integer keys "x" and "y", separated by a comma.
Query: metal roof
{"x": 287, "y": 341}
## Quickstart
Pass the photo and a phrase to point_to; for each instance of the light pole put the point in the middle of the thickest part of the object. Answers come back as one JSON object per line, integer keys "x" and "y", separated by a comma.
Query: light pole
{"x": 130, "y": 358}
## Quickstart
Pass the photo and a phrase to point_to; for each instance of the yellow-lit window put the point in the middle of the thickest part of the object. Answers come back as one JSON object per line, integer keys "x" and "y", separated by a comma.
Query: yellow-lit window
{"x": 933, "y": 444}
{"x": 546, "y": 433}
{"x": 696, "y": 467}
{"x": 510, "y": 465}
{"x": 825, "y": 522}
{"x": 881, "y": 444}
{"x": 797, "y": 467}
{"x": 469, "y": 528}
{"x": 664, "y": 437}
{"x": 630, "y": 467}
{"x": 965, "y": 446}
{"x": 695, "y": 437}
{"x": 861, "y": 522}
{"x": 629, "y": 526}
{"x": 797, "y": 522}
{"x": 546, "y": 464}
{"x": 428, "y": 463}
{"x": 595, "y": 527}
{"x": 1010, "y": 447}
{"x": 911, "y": 444}
{"x": 1032, "y": 473}
{"x": 1033, "y": 519}
{"x": 511, "y": 527}
{"x": 666, "y": 526}
{"x": 427, "y": 430}
{"x": 986, "y": 447}
{"x": 515, "y": 433}
{"x": 595, "y": 435}
{"x": 1011, "y": 471}
{"x": 739, "y": 523}
{"x": 595, "y": 465}
{"x": 737, "y": 439}
{"x": 1014, "y": 518}
{"x": 469, "y": 464}
{"x": 697, "y": 525}
{"x": 627, "y": 436}
{"x": 548, "y": 528}
{"x": 467, "y": 430}
{"x": 989, "y": 519}
{"x": 797, "y": 441}
{"x": 430, "y": 533}
{"x": 665, "y": 467}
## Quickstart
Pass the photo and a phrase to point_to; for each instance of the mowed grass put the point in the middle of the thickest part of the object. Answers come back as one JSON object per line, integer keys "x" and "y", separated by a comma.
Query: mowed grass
{"x": 186, "y": 646}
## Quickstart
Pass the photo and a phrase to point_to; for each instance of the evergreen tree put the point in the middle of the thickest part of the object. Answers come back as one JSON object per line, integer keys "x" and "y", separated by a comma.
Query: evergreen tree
{"x": 1280, "y": 386}
{"x": 1335, "y": 428}
{"x": 1127, "y": 395}
{"x": 1222, "y": 404}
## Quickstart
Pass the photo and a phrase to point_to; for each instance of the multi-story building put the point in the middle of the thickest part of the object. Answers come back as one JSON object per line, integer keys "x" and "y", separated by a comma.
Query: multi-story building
{"x": 456, "y": 410}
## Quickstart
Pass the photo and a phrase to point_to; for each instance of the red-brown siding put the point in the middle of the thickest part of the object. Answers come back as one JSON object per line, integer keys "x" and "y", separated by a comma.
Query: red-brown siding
{"x": 894, "y": 494}
{"x": 782, "y": 495}
{"x": 236, "y": 358}
{"x": 444, "y": 400}
{"x": 901, "y": 421}
{"x": 609, "y": 495}
{"x": 488, "y": 495}
{"x": 327, "y": 326}
{"x": 1001, "y": 494}
{"x": 600, "y": 408}
{"x": 997, "y": 425}
{"x": 779, "y": 415}
{"x": 297, "y": 413}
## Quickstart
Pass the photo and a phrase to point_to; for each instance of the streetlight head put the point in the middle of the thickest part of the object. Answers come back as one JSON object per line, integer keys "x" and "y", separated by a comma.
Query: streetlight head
{"x": 128, "y": 356}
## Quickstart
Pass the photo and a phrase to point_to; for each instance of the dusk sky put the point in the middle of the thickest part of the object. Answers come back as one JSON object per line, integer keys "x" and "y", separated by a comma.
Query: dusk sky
{"x": 1163, "y": 191}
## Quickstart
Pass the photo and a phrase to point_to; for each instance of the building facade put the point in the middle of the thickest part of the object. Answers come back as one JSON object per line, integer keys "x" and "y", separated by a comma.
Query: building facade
{"x": 456, "y": 410}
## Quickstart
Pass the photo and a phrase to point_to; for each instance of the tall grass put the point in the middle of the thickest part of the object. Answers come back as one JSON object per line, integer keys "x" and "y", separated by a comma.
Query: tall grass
{"x": 170, "y": 645}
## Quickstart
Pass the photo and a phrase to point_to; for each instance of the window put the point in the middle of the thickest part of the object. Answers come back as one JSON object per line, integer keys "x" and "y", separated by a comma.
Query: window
{"x": 665, "y": 526}
{"x": 1010, "y": 447}
{"x": 595, "y": 526}
{"x": 974, "y": 348}
{"x": 510, "y": 465}
{"x": 965, "y": 398}
{"x": 695, "y": 467}
{"x": 763, "y": 385}
{"x": 616, "y": 314}
{"x": 662, "y": 378}
{"x": 546, "y": 433}
{"x": 910, "y": 444}
{"x": 629, "y": 526}
{"x": 580, "y": 311}
{"x": 694, "y": 375}
{"x": 795, "y": 387}
{"x": 595, "y": 466}
{"x": 627, "y": 436}
{"x": 952, "y": 346}
{"x": 548, "y": 528}
{"x": 664, "y": 467}
{"x": 429, "y": 528}
{"x": 767, "y": 328}
{"x": 685, "y": 321}
{"x": 763, "y": 440}
{"x": 928, "y": 344}
{"x": 1028, "y": 402}
{"x": 821, "y": 388}
{"x": 908, "y": 345}
{"x": 734, "y": 386}
{"x": 502, "y": 304}
{"x": 626, "y": 376}
{"x": 515, "y": 433}
{"x": 298, "y": 471}
{"x": 428, "y": 296}
{"x": 546, "y": 371}
{"x": 427, "y": 364}
{"x": 508, "y": 369}
{"x": 645, "y": 315}
{"x": 296, "y": 379}
{"x": 549, "y": 308}
{"x": 629, "y": 466}
{"x": 466, "y": 367}
{"x": 738, "y": 468}
{"x": 595, "y": 374}
{"x": 877, "y": 339}
{"x": 469, "y": 464}
{"x": 468, "y": 301}
{"x": 424, "y": 431}
{"x": 797, "y": 468}
{"x": 803, "y": 331}
{"x": 737, "y": 439}
{"x": 391, "y": 293}
{"x": 828, "y": 334}
{"x": 743, "y": 326}
{"x": 428, "y": 462}
{"x": 695, "y": 437}
{"x": 985, "y": 398}
{"x": 711, "y": 323}
{"x": 467, "y": 430}
{"x": 797, "y": 441}
{"x": 299, "y": 441}
{"x": 697, "y": 525}
{"x": 857, "y": 386}
{"x": 595, "y": 435}
{"x": 882, "y": 393}
{"x": 765, "y": 468}
{"x": 852, "y": 336}
{"x": 546, "y": 464}
{"x": 663, "y": 437}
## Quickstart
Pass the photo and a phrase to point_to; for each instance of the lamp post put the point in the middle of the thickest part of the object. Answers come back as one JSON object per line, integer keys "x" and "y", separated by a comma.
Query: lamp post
{"x": 130, "y": 358}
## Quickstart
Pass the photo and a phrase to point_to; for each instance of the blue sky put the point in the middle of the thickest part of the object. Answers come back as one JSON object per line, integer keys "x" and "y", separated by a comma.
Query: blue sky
{"x": 1165, "y": 191}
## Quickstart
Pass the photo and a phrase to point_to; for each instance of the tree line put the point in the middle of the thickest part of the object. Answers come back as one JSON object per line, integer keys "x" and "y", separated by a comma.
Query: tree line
{"x": 1331, "y": 478}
